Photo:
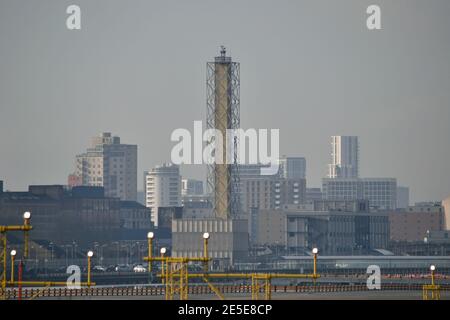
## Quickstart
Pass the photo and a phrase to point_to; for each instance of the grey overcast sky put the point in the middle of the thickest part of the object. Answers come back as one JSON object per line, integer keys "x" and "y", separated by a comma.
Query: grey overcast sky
{"x": 310, "y": 68}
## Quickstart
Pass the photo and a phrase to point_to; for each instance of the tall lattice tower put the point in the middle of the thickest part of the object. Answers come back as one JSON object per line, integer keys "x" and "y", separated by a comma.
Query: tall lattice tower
{"x": 223, "y": 104}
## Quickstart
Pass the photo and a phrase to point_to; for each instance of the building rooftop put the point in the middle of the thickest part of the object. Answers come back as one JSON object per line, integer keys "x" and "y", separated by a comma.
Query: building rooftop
{"x": 132, "y": 205}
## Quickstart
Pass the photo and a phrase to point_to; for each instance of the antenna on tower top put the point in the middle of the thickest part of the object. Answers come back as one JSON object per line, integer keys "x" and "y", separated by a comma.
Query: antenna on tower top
{"x": 223, "y": 51}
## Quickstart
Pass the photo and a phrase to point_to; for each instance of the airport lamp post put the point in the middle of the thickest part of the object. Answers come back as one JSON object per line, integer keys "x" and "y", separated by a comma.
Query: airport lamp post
{"x": 315, "y": 251}
{"x": 150, "y": 237}
{"x": 89, "y": 256}
{"x": 162, "y": 251}
{"x": 432, "y": 269}
{"x": 26, "y": 222}
{"x": 205, "y": 250}
{"x": 13, "y": 255}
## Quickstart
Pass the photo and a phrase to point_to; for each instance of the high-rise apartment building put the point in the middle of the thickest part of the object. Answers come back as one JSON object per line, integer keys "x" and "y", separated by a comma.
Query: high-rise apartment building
{"x": 162, "y": 188}
{"x": 344, "y": 157}
{"x": 109, "y": 164}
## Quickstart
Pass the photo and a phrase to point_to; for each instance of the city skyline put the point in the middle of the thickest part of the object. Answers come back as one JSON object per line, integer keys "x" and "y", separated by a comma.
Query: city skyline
{"x": 215, "y": 150}
{"x": 74, "y": 78}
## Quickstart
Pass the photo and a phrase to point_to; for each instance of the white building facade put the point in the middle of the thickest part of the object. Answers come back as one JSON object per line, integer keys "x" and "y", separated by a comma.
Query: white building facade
{"x": 162, "y": 188}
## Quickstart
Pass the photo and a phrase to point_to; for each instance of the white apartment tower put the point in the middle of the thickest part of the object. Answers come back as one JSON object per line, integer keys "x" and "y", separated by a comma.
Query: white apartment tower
{"x": 162, "y": 188}
{"x": 344, "y": 157}
{"x": 109, "y": 164}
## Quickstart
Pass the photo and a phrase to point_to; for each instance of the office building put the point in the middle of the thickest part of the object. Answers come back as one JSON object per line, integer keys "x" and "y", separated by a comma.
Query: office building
{"x": 293, "y": 167}
{"x": 415, "y": 222}
{"x": 197, "y": 207}
{"x": 334, "y": 232}
{"x": 381, "y": 192}
{"x": 313, "y": 194}
{"x": 191, "y": 187}
{"x": 135, "y": 220}
{"x": 271, "y": 192}
{"x": 83, "y": 214}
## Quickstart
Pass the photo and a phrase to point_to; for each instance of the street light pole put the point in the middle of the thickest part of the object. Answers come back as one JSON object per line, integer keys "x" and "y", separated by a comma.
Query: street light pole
{"x": 315, "y": 251}
{"x": 432, "y": 269}
{"x": 150, "y": 237}
{"x": 89, "y": 255}
{"x": 26, "y": 222}
{"x": 205, "y": 250}
{"x": 13, "y": 255}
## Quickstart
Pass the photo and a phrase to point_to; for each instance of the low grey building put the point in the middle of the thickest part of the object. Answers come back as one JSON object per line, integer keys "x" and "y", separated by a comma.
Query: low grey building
{"x": 333, "y": 232}
{"x": 228, "y": 238}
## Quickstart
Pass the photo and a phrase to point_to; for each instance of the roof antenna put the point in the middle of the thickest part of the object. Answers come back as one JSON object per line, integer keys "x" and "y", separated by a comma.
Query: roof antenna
{"x": 223, "y": 51}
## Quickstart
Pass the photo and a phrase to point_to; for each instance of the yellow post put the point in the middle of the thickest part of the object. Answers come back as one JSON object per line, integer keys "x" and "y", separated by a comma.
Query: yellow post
{"x": 169, "y": 285}
{"x": 3, "y": 240}
{"x": 268, "y": 289}
{"x": 315, "y": 251}
{"x": 89, "y": 256}
{"x": 150, "y": 236}
{"x": 163, "y": 275}
{"x": 13, "y": 255}
{"x": 435, "y": 289}
{"x": 315, "y": 265}
{"x": 205, "y": 250}
{"x": 4, "y": 262}
{"x": 26, "y": 223}
{"x": 254, "y": 288}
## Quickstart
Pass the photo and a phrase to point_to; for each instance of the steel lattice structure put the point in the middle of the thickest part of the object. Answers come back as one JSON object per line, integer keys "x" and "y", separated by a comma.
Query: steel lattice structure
{"x": 223, "y": 113}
